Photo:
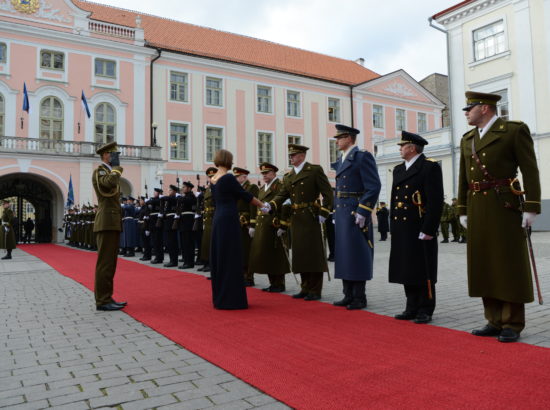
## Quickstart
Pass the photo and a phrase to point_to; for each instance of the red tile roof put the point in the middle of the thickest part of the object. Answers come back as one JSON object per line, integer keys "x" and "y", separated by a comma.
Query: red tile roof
{"x": 452, "y": 8}
{"x": 206, "y": 42}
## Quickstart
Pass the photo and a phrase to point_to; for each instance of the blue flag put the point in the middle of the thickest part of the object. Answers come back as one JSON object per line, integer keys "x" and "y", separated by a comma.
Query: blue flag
{"x": 85, "y": 104}
{"x": 70, "y": 195}
{"x": 26, "y": 105}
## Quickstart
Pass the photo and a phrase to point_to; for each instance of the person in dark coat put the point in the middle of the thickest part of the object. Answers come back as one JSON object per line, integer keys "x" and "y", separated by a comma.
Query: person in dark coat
{"x": 228, "y": 290}
{"x": 129, "y": 228}
{"x": 155, "y": 205}
{"x": 7, "y": 233}
{"x": 186, "y": 205}
{"x": 144, "y": 229}
{"x": 416, "y": 205}
{"x": 28, "y": 226}
{"x": 170, "y": 228}
{"x": 207, "y": 217}
{"x": 382, "y": 214}
{"x": 357, "y": 189}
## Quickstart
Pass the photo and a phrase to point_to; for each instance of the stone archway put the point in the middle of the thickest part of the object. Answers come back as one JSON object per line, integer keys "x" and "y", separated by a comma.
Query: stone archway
{"x": 45, "y": 197}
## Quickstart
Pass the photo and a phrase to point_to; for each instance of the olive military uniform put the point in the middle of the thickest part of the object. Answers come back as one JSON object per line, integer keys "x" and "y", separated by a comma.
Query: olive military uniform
{"x": 446, "y": 218}
{"x": 7, "y": 234}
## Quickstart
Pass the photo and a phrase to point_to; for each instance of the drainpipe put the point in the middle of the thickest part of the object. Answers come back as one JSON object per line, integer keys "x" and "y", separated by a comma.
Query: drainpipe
{"x": 151, "y": 102}
{"x": 450, "y": 105}
{"x": 351, "y": 100}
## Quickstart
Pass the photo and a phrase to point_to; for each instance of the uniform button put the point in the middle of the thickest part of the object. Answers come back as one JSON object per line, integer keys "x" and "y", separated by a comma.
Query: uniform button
{"x": 337, "y": 206}
{"x": 398, "y": 197}
{"x": 484, "y": 192}
{"x": 344, "y": 176}
{"x": 473, "y": 194}
{"x": 406, "y": 186}
{"x": 395, "y": 218}
{"x": 472, "y": 168}
{"x": 404, "y": 218}
{"x": 406, "y": 197}
{"x": 405, "y": 208}
{"x": 397, "y": 188}
{"x": 483, "y": 154}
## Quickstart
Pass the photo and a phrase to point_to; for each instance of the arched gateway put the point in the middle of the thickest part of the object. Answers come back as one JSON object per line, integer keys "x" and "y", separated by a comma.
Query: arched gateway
{"x": 46, "y": 200}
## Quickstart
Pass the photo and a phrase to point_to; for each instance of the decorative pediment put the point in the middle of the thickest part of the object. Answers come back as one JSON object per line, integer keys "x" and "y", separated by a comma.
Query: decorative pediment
{"x": 59, "y": 12}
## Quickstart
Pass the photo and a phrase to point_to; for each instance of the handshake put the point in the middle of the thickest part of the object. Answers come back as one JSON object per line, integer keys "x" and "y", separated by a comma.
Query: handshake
{"x": 266, "y": 208}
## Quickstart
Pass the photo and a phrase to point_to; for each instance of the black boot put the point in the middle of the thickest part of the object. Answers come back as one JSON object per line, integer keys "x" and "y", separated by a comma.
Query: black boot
{"x": 347, "y": 294}
{"x": 8, "y": 255}
{"x": 359, "y": 297}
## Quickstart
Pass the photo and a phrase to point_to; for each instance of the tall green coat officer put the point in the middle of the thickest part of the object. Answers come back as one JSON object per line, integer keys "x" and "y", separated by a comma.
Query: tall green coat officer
{"x": 267, "y": 254}
{"x": 207, "y": 217}
{"x": 415, "y": 211}
{"x": 303, "y": 185}
{"x": 498, "y": 263}
{"x": 7, "y": 233}
{"x": 107, "y": 225}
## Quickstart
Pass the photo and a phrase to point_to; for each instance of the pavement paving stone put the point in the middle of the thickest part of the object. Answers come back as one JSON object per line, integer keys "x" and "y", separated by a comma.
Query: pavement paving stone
{"x": 194, "y": 404}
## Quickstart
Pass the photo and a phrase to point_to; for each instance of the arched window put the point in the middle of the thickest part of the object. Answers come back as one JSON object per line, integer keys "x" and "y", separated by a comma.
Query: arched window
{"x": 2, "y": 115}
{"x": 105, "y": 123}
{"x": 51, "y": 118}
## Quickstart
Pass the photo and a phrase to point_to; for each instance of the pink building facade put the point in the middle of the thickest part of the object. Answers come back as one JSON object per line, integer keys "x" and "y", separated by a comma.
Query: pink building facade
{"x": 170, "y": 100}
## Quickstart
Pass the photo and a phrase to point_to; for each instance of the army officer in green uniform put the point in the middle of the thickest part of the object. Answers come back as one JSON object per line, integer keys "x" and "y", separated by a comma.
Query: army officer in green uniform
{"x": 107, "y": 225}
{"x": 7, "y": 233}
{"x": 303, "y": 185}
{"x": 498, "y": 263}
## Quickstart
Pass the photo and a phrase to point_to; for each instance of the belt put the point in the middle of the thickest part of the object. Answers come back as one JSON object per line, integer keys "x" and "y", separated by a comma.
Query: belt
{"x": 209, "y": 209}
{"x": 5, "y": 223}
{"x": 340, "y": 194}
{"x": 302, "y": 205}
{"x": 188, "y": 213}
{"x": 154, "y": 214}
{"x": 484, "y": 185}
{"x": 127, "y": 217}
{"x": 173, "y": 214}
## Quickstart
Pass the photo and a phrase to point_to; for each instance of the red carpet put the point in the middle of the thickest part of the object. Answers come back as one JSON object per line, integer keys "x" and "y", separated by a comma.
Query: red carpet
{"x": 312, "y": 355}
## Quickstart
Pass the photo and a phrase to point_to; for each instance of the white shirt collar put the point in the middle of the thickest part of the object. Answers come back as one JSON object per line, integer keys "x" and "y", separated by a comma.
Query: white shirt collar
{"x": 411, "y": 161}
{"x": 299, "y": 168}
{"x": 267, "y": 186}
{"x": 108, "y": 166}
{"x": 346, "y": 152}
{"x": 487, "y": 127}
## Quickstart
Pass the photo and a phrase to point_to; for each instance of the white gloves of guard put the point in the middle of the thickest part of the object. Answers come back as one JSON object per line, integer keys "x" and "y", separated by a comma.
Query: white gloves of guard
{"x": 147, "y": 233}
{"x": 322, "y": 219}
{"x": 266, "y": 208}
{"x": 251, "y": 232}
{"x": 280, "y": 232}
{"x": 528, "y": 219}
{"x": 360, "y": 220}
{"x": 423, "y": 237}
{"x": 197, "y": 194}
{"x": 464, "y": 221}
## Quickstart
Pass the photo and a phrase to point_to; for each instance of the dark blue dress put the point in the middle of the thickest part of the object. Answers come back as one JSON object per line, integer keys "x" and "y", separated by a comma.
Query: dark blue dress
{"x": 228, "y": 290}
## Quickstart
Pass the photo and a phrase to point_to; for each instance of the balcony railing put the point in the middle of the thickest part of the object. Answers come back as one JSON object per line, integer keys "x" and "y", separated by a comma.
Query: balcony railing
{"x": 72, "y": 148}
{"x": 112, "y": 30}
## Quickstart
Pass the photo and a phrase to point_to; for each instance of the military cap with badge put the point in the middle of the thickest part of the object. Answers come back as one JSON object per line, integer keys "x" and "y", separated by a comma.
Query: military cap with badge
{"x": 266, "y": 167}
{"x": 343, "y": 131}
{"x": 474, "y": 98}
{"x": 297, "y": 149}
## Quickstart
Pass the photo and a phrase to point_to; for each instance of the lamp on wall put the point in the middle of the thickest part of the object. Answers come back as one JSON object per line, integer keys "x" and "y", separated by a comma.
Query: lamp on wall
{"x": 154, "y": 126}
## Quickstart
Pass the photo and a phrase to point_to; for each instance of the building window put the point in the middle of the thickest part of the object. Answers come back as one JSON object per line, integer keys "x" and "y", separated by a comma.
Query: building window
{"x": 400, "y": 119}
{"x": 105, "y": 123}
{"x": 333, "y": 150}
{"x": 502, "y": 105}
{"x": 293, "y": 104}
{"x": 264, "y": 99}
{"x": 51, "y": 119}
{"x": 3, "y": 53}
{"x": 2, "y": 115}
{"x": 214, "y": 91}
{"x": 179, "y": 138}
{"x": 293, "y": 139}
{"x": 265, "y": 147}
{"x": 422, "y": 122}
{"x": 378, "y": 116}
{"x": 214, "y": 142}
{"x": 105, "y": 68}
{"x": 53, "y": 60}
{"x": 178, "y": 86}
{"x": 334, "y": 110}
{"x": 489, "y": 40}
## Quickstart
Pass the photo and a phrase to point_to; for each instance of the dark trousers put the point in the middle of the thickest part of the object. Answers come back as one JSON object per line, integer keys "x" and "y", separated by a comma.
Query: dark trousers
{"x": 354, "y": 290}
{"x": 172, "y": 245}
{"x": 383, "y": 236}
{"x": 188, "y": 247}
{"x": 146, "y": 241}
{"x": 503, "y": 315}
{"x": 312, "y": 283}
{"x": 277, "y": 281}
{"x": 157, "y": 244}
{"x": 197, "y": 237}
{"x": 27, "y": 237}
{"x": 418, "y": 300}
{"x": 107, "y": 250}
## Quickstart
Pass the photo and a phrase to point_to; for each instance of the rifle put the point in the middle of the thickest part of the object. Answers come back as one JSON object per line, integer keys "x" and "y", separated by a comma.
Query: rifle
{"x": 146, "y": 194}
{"x": 527, "y": 231}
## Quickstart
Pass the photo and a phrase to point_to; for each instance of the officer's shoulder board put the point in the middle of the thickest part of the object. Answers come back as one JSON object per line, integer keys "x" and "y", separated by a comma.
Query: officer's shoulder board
{"x": 431, "y": 159}
{"x": 469, "y": 133}
{"x": 515, "y": 122}
{"x": 102, "y": 172}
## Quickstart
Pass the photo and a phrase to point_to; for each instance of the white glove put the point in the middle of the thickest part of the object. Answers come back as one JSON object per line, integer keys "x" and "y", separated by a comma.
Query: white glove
{"x": 423, "y": 237}
{"x": 528, "y": 219}
{"x": 160, "y": 216}
{"x": 176, "y": 217}
{"x": 360, "y": 220}
{"x": 266, "y": 208}
{"x": 280, "y": 232}
{"x": 464, "y": 221}
{"x": 251, "y": 232}
{"x": 322, "y": 219}
{"x": 197, "y": 216}
{"x": 147, "y": 233}
{"x": 197, "y": 194}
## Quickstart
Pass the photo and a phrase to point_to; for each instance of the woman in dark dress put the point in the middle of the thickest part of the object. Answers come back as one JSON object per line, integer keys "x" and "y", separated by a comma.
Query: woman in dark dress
{"x": 228, "y": 290}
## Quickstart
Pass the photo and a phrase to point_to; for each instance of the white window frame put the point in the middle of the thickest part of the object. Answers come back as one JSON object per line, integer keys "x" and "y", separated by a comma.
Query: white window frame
{"x": 272, "y": 151}
{"x": 105, "y": 122}
{"x": 222, "y": 96}
{"x": 418, "y": 115}
{"x": 206, "y": 126}
{"x": 5, "y": 65}
{"x": 288, "y": 142}
{"x": 506, "y": 50}
{"x": 331, "y": 142}
{"x": 51, "y": 118}
{"x": 499, "y": 103}
{"x": 270, "y": 99}
{"x": 339, "y": 119}
{"x": 52, "y": 52}
{"x": 187, "y": 87}
{"x": 188, "y": 125}
{"x": 299, "y": 103}
{"x": 397, "y": 129}
{"x": 4, "y": 45}
{"x": 382, "y": 115}
{"x": 104, "y": 61}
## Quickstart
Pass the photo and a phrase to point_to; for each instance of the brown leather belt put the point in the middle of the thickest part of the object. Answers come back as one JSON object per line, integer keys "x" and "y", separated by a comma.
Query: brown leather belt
{"x": 341, "y": 194}
{"x": 484, "y": 185}
{"x": 302, "y": 205}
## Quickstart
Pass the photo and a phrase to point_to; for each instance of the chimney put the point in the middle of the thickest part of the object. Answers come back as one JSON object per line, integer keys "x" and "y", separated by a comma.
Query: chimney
{"x": 360, "y": 61}
{"x": 138, "y": 21}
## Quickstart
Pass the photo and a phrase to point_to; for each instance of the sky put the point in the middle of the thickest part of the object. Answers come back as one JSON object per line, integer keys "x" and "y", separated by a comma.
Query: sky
{"x": 389, "y": 35}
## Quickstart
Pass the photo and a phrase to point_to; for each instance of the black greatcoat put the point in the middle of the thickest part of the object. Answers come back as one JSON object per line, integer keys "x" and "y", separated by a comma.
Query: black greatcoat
{"x": 383, "y": 225}
{"x": 413, "y": 260}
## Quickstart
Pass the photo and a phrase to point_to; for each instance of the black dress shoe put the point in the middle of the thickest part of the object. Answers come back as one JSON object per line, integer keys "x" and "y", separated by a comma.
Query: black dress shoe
{"x": 121, "y": 253}
{"x": 186, "y": 266}
{"x": 422, "y": 318}
{"x": 170, "y": 265}
{"x": 143, "y": 258}
{"x": 248, "y": 283}
{"x": 119, "y": 303}
{"x": 208, "y": 278}
{"x": 130, "y": 254}
{"x": 311, "y": 296}
{"x": 356, "y": 305}
{"x": 155, "y": 261}
{"x": 109, "y": 307}
{"x": 300, "y": 295}
{"x": 508, "y": 336}
{"x": 6, "y": 257}
{"x": 455, "y": 240}
{"x": 405, "y": 316}
{"x": 274, "y": 289}
{"x": 445, "y": 241}
{"x": 344, "y": 302}
{"x": 486, "y": 330}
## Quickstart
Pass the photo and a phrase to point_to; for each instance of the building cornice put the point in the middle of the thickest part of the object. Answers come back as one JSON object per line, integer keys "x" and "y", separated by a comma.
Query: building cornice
{"x": 468, "y": 10}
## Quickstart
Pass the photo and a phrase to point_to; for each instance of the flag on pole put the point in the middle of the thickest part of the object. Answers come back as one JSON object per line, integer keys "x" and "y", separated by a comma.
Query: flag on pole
{"x": 70, "y": 195}
{"x": 85, "y": 105}
{"x": 26, "y": 105}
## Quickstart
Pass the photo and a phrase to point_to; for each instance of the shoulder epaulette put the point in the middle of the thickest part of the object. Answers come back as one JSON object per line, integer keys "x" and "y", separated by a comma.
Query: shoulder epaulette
{"x": 431, "y": 160}
{"x": 469, "y": 132}
{"x": 516, "y": 122}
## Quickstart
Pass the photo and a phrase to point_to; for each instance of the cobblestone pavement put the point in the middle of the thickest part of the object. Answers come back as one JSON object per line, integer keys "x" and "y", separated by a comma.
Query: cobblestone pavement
{"x": 57, "y": 351}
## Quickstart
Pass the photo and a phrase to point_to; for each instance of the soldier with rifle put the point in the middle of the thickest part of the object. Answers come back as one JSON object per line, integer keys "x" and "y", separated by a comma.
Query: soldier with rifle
{"x": 170, "y": 226}
{"x": 155, "y": 207}
{"x": 185, "y": 210}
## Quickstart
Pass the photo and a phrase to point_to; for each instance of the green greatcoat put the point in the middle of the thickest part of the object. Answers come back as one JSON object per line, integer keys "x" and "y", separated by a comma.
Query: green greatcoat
{"x": 498, "y": 261}
{"x": 304, "y": 189}
{"x": 267, "y": 254}
{"x": 247, "y": 215}
{"x": 7, "y": 234}
{"x": 207, "y": 218}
